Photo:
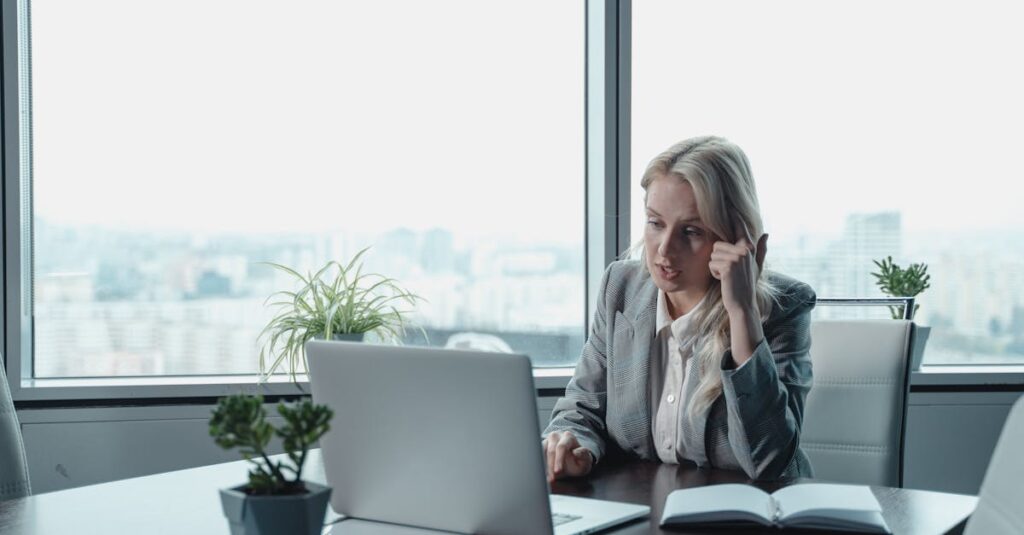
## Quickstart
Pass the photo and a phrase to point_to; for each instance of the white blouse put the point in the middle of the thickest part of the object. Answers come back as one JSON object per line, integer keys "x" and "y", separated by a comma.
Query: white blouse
{"x": 673, "y": 380}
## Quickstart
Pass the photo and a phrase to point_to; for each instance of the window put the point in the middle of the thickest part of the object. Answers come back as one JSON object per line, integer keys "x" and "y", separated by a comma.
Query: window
{"x": 176, "y": 145}
{"x": 873, "y": 128}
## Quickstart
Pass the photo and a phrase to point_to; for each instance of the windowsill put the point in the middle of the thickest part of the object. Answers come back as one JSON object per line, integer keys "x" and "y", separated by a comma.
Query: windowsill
{"x": 198, "y": 386}
{"x": 164, "y": 387}
{"x": 952, "y": 375}
{"x": 210, "y": 386}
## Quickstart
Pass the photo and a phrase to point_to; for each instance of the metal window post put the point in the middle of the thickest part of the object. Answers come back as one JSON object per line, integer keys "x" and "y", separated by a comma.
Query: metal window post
{"x": 607, "y": 139}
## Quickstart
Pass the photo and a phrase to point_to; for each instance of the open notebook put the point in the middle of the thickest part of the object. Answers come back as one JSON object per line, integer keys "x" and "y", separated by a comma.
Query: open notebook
{"x": 807, "y": 506}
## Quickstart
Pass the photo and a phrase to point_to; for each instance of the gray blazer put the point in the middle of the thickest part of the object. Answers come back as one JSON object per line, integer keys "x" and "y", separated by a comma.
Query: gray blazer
{"x": 754, "y": 426}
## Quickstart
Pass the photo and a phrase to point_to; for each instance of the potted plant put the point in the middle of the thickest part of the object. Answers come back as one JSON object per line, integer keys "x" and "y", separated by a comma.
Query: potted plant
{"x": 910, "y": 282}
{"x": 338, "y": 302}
{"x": 272, "y": 502}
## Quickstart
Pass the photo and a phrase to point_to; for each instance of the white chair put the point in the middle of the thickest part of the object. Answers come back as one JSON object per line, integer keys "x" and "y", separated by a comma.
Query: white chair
{"x": 13, "y": 467}
{"x": 855, "y": 413}
{"x": 1001, "y": 500}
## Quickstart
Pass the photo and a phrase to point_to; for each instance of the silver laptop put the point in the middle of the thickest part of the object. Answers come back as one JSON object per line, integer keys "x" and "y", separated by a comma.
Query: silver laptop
{"x": 442, "y": 439}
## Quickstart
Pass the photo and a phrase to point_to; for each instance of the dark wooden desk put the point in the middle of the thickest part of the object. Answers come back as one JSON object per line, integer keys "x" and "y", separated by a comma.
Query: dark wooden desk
{"x": 916, "y": 512}
{"x": 187, "y": 502}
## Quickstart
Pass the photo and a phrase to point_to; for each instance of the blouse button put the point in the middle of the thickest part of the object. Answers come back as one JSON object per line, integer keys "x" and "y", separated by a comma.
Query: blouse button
{"x": 671, "y": 398}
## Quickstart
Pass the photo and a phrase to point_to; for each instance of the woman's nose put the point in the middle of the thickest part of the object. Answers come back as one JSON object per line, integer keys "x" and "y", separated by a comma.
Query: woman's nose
{"x": 665, "y": 248}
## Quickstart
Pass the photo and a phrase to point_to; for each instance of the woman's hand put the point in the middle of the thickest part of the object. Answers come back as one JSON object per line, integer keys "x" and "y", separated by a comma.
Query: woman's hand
{"x": 738, "y": 266}
{"x": 565, "y": 457}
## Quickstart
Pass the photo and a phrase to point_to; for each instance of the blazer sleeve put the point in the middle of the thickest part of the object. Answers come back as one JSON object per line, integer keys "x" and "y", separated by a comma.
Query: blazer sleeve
{"x": 582, "y": 410}
{"x": 765, "y": 396}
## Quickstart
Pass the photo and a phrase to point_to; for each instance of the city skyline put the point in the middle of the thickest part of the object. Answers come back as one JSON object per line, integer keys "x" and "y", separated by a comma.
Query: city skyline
{"x": 160, "y": 300}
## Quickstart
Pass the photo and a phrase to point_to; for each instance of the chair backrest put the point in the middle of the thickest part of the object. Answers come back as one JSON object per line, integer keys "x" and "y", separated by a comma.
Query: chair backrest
{"x": 1001, "y": 500}
{"x": 855, "y": 413}
{"x": 13, "y": 467}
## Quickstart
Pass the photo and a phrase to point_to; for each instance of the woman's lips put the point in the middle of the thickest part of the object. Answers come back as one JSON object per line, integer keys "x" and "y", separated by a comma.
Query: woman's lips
{"x": 667, "y": 273}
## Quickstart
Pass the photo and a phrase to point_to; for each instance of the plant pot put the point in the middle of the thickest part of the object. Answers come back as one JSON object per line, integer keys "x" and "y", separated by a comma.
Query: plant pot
{"x": 348, "y": 337}
{"x": 918, "y": 337}
{"x": 298, "y": 514}
{"x": 343, "y": 337}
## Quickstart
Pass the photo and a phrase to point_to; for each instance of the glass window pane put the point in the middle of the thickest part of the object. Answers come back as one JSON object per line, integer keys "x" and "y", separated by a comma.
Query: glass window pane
{"x": 177, "y": 145}
{"x": 874, "y": 128}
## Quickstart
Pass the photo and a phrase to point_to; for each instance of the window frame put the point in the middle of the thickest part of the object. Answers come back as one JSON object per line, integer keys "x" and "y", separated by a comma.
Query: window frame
{"x": 607, "y": 233}
{"x": 606, "y": 224}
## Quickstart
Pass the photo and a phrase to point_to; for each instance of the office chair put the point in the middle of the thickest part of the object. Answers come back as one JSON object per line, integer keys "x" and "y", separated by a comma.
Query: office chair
{"x": 855, "y": 413}
{"x": 13, "y": 466}
{"x": 1001, "y": 500}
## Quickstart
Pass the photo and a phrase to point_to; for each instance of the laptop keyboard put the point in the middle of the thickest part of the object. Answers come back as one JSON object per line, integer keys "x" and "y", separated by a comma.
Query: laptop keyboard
{"x": 557, "y": 519}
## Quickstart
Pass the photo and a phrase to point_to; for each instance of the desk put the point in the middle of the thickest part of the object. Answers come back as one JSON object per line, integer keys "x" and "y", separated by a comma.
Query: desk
{"x": 907, "y": 512}
{"x": 187, "y": 502}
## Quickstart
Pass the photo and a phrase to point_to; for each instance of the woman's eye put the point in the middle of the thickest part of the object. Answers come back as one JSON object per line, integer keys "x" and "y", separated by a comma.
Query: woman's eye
{"x": 653, "y": 223}
{"x": 693, "y": 232}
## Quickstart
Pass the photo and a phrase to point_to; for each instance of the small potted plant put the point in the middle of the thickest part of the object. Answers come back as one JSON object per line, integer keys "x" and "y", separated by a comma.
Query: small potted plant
{"x": 272, "y": 502}
{"x": 338, "y": 302}
{"x": 910, "y": 282}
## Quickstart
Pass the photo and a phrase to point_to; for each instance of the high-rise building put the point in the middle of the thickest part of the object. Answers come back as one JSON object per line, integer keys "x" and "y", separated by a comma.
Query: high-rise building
{"x": 866, "y": 238}
{"x": 438, "y": 252}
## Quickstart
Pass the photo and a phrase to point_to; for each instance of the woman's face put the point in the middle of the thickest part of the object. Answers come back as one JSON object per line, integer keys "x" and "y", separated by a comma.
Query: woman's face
{"x": 677, "y": 244}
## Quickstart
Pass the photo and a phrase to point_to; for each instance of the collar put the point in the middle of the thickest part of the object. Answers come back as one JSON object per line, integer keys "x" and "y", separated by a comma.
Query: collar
{"x": 663, "y": 320}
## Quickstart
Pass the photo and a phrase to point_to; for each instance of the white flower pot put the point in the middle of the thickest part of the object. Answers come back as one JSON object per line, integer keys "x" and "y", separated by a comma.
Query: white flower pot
{"x": 918, "y": 337}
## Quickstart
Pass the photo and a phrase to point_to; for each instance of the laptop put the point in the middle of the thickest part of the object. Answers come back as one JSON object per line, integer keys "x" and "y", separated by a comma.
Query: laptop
{"x": 442, "y": 439}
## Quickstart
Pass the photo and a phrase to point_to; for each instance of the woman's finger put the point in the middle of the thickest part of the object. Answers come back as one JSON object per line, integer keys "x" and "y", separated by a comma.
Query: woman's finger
{"x": 584, "y": 459}
{"x": 713, "y": 267}
{"x": 720, "y": 268}
{"x": 723, "y": 256}
{"x": 549, "y": 454}
{"x": 724, "y": 246}
{"x": 565, "y": 444}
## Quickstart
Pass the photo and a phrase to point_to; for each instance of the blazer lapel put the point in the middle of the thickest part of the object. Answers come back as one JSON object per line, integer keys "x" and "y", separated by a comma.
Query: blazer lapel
{"x": 636, "y": 390}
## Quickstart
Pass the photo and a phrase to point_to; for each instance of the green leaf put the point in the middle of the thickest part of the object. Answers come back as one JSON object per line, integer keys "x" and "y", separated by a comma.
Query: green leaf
{"x": 336, "y": 298}
{"x": 240, "y": 422}
{"x": 898, "y": 282}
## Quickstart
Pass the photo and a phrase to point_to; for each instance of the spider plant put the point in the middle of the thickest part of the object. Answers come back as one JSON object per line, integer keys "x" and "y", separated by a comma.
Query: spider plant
{"x": 337, "y": 299}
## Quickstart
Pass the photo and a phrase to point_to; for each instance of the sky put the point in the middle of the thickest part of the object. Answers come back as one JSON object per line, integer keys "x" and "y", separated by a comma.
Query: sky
{"x": 356, "y": 115}
{"x": 912, "y": 106}
{"x": 469, "y": 115}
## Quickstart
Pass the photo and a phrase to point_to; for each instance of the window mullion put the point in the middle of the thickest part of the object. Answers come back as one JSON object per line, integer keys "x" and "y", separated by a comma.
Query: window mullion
{"x": 608, "y": 138}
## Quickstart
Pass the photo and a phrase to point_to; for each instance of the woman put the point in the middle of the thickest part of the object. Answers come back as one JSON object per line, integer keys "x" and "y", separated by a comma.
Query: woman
{"x": 694, "y": 354}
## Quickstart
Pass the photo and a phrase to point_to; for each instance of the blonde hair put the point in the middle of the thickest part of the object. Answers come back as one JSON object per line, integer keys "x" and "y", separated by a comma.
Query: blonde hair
{"x": 719, "y": 173}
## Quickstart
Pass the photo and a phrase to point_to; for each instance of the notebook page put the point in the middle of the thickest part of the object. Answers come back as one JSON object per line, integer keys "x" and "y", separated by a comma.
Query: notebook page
{"x": 827, "y": 504}
{"x": 718, "y": 503}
